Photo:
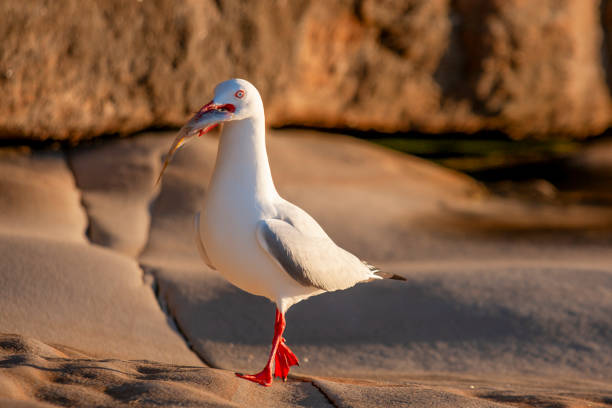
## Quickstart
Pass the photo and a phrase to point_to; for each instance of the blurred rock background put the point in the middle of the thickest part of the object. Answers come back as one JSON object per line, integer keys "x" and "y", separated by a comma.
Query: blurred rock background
{"x": 72, "y": 70}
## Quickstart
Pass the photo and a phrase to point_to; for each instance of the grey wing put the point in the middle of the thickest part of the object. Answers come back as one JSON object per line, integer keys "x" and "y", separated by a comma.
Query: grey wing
{"x": 200, "y": 243}
{"x": 311, "y": 260}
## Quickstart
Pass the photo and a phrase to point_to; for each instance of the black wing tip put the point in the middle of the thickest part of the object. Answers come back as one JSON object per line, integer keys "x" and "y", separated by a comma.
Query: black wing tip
{"x": 384, "y": 275}
{"x": 387, "y": 275}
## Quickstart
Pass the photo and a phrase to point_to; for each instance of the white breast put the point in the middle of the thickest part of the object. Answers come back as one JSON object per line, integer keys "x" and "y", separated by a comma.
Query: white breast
{"x": 240, "y": 194}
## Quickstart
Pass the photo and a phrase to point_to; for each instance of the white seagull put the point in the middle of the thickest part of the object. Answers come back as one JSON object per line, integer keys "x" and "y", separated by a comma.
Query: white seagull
{"x": 257, "y": 240}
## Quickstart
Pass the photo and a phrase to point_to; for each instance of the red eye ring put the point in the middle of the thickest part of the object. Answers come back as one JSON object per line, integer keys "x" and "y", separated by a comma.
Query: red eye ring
{"x": 239, "y": 94}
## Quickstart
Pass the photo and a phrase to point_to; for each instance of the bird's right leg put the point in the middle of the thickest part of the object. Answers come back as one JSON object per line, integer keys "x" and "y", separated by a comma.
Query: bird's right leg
{"x": 264, "y": 377}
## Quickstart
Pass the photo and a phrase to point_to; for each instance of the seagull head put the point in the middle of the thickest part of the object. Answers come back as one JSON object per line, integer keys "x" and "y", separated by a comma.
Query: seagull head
{"x": 235, "y": 99}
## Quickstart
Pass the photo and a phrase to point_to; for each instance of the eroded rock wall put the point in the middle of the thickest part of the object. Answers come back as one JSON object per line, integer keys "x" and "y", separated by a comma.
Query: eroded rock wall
{"x": 71, "y": 69}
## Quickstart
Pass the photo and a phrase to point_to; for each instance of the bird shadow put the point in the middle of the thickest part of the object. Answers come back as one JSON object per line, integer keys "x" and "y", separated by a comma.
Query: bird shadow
{"x": 387, "y": 312}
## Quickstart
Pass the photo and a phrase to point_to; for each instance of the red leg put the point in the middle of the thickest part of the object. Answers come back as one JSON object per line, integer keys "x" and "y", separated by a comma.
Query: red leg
{"x": 280, "y": 355}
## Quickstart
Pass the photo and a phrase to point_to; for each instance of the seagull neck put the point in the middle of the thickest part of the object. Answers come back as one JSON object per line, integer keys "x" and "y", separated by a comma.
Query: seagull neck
{"x": 242, "y": 159}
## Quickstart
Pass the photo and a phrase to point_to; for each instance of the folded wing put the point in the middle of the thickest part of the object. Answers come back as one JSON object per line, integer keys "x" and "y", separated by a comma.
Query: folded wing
{"x": 313, "y": 260}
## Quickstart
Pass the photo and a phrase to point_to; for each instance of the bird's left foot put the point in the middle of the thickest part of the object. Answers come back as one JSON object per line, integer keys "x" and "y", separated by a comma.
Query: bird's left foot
{"x": 263, "y": 378}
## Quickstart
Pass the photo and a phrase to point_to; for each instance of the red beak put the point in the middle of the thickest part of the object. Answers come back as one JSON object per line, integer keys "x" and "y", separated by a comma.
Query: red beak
{"x": 207, "y": 118}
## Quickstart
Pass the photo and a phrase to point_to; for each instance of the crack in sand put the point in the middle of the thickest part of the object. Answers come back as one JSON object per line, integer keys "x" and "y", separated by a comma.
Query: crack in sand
{"x": 329, "y": 399}
{"x": 82, "y": 204}
{"x": 311, "y": 381}
{"x": 172, "y": 321}
{"x": 148, "y": 277}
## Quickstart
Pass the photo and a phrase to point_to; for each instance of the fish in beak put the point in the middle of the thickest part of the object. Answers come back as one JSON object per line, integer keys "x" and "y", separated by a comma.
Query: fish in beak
{"x": 207, "y": 118}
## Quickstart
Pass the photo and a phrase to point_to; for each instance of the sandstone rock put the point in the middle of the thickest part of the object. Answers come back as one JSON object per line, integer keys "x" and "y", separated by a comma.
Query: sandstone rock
{"x": 527, "y": 68}
{"x": 365, "y": 395}
{"x": 84, "y": 297}
{"x": 116, "y": 181}
{"x": 30, "y": 378}
{"x": 56, "y": 286}
{"x": 534, "y": 67}
{"x": 36, "y": 375}
{"x": 38, "y": 197}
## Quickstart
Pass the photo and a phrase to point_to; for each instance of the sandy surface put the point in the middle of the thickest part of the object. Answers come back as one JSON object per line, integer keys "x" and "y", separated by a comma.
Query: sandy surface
{"x": 35, "y": 374}
{"x": 58, "y": 287}
{"x": 507, "y": 301}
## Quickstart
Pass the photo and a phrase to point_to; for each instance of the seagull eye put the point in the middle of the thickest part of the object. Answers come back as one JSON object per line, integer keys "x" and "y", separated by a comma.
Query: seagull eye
{"x": 239, "y": 94}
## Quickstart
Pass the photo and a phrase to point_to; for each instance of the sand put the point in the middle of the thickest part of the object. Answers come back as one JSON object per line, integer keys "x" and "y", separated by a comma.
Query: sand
{"x": 105, "y": 301}
{"x": 35, "y": 374}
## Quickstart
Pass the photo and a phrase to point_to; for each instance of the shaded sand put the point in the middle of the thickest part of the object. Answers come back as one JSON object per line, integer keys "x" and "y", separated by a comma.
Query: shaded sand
{"x": 444, "y": 389}
{"x": 494, "y": 318}
{"x": 511, "y": 296}
{"x": 34, "y": 374}
{"x": 116, "y": 182}
{"x": 57, "y": 287}
{"x": 392, "y": 396}
{"x": 491, "y": 302}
